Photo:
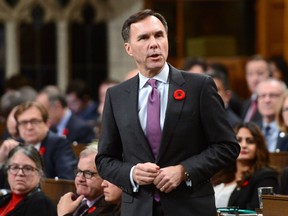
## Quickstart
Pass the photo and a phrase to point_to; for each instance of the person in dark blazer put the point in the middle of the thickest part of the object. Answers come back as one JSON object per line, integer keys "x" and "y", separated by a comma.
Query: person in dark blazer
{"x": 269, "y": 92}
{"x": 61, "y": 119}
{"x": 237, "y": 185}
{"x": 222, "y": 85}
{"x": 197, "y": 139}
{"x": 88, "y": 189}
{"x": 25, "y": 172}
{"x": 282, "y": 122}
{"x": 58, "y": 156}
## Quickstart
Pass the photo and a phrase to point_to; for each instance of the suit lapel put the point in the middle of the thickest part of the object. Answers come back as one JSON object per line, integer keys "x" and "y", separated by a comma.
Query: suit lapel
{"x": 174, "y": 109}
{"x": 132, "y": 108}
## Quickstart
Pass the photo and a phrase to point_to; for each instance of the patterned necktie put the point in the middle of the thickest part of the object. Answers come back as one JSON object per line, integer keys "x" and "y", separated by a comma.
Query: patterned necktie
{"x": 153, "y": 129}
{"x": 83, "y": 207}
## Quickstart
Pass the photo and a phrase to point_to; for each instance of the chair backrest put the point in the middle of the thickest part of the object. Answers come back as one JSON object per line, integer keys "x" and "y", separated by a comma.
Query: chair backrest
{"x": 279, "y": 160}
{"x": 77, "y": 148}
{"x": 55, "y": 188}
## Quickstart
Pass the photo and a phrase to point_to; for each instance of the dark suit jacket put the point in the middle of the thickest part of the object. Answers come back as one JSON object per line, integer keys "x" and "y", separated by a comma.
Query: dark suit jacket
{"x": 196, "y": 134}
{"x": 282, "y": 139}
{"x": 246, "y": 197}
{"x": 101, "y": 208}
{"x": 79, "y": 130}
{"x": 232, "y": 117}
{"x": 59, "y": 159}
{"x": 34, "y": 204}
{"x": 282, "y": 142}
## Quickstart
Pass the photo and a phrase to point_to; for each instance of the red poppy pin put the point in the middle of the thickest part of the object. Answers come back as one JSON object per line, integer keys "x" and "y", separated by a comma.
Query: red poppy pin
{"x": 92, "y": 209}
{"x": 42, "y": 150}
{"x": 245, "y": 183}
{"x": 179, "y": 94}
{"x": 65, "y": 132}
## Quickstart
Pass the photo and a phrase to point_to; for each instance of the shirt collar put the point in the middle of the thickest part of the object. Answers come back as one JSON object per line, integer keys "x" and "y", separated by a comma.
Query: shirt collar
{"x": 273, "y": 125}
{"x": 162, "y": 76}
{"x": 63, "y": 122}
{"x": 90, "y": 203}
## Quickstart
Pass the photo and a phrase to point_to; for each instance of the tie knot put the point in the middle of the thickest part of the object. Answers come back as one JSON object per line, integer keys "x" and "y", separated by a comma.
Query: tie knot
{"x": 267, "y": 130}
{"x": 152, "y": 83}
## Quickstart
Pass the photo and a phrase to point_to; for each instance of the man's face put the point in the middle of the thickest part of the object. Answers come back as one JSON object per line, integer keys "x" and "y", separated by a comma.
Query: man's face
{"x": 148, "y": 45}
{"x": 90, "y": 188}
{"x": 73, "y": 102}
{"x": 32, "y": 128}
{"x": 256, "y": 71}
{"x": 268, "y": 94}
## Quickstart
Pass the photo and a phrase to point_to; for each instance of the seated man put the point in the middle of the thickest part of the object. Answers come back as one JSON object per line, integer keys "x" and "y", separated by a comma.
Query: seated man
{"x": 58, "y": 156}
{"x": 80, "y": 101}
{"x": 88, "y": 188}
{"x": 62, "y": 120}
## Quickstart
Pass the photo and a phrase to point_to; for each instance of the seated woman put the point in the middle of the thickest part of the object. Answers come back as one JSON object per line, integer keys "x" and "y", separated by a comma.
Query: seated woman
{"x": 238, "y": 184}
{"x": 25, "y": 172}
{"x": 113, "y": 195}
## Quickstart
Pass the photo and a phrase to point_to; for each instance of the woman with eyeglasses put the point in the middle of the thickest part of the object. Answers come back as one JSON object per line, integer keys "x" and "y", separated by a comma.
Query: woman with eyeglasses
{"x": 238, "y": 184}
{"x": 25, "y": 172}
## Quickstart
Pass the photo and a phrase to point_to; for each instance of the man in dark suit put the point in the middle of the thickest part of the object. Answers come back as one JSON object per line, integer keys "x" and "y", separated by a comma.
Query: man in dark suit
{"x": 173, "y": 177}
{"x": 269, "y": 92}
{"x": 58, "y": 156}
{"x": 90, "y": 200}
{"x": 62, "y": 120}
{"x": 225, "y": 93}
{"x": 257, "y": 69}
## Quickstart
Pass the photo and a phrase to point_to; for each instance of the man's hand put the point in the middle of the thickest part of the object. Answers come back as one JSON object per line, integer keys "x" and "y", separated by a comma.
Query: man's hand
{"x": 145, "y": 173}
{"x": 68, "y": 204}
{"x": 5, "y": 148}
{"x": 169, "y": 178}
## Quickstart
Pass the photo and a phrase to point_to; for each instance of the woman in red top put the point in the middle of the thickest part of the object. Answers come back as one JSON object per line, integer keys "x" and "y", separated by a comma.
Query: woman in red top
{"x": 25, "y": 172}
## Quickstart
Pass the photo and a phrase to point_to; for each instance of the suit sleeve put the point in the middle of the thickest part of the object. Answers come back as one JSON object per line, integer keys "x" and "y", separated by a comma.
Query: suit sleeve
{"x": 222, "y": 145}
{"x": 65, "y": 160}
{"x": 109, "y": 160}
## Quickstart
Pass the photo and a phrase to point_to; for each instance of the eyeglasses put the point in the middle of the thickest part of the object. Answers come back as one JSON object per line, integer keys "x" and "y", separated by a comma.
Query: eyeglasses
{"x": 86, "y": 173}
{"x": 271, "y": 96}
{"x": 33, "y": 122}
{"x": 26, "y": 169}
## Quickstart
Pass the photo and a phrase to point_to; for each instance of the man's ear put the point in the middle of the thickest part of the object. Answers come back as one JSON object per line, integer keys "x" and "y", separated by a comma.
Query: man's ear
{"x": 128, "y": 49}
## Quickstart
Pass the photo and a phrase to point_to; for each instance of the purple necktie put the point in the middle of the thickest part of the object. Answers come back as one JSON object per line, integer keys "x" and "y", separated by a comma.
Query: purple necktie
{"x": 153, "y": 130}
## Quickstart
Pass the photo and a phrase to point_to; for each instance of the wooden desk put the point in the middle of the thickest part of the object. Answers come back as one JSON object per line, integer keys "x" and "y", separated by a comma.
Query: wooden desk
{"x": 275, "y": 205}
{"x": 54, "y": 189}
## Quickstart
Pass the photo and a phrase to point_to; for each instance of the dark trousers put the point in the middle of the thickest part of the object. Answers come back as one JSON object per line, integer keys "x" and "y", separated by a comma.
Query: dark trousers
{"x": 157, "y": 209}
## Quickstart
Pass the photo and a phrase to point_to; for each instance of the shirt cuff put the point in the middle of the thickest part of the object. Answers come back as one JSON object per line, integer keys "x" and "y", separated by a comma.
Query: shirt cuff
{"x": 135, "y": 186}
{"x": 189, "y": 183}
